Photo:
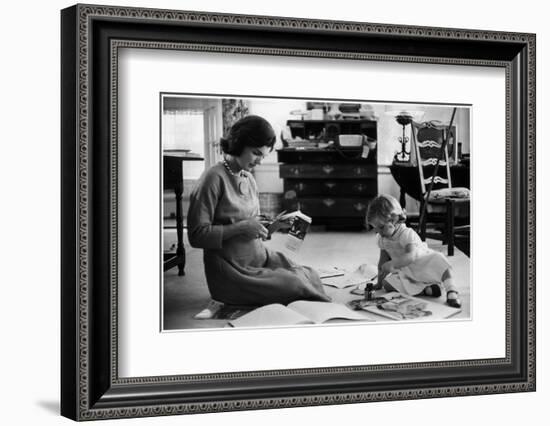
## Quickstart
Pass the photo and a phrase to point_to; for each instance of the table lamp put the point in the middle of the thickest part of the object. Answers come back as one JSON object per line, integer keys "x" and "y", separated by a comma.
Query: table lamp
{"x": 404, "y": 118}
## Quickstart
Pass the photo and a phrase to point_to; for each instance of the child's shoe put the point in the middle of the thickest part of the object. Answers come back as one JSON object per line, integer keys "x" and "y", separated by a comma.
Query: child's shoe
{"x": 453, "y": 301}
{"x": 432, "y": 291}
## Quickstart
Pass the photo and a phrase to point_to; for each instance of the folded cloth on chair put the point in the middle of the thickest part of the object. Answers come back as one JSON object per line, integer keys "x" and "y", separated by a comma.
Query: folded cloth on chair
{"x": 438, "y": 194}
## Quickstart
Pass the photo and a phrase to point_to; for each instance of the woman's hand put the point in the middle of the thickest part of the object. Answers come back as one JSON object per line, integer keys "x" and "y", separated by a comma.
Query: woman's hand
{"x": 252, "y": 229}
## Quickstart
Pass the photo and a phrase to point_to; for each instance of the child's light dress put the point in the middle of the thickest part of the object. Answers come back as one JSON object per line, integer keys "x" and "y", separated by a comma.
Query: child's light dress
{"x": 427, "y": 269}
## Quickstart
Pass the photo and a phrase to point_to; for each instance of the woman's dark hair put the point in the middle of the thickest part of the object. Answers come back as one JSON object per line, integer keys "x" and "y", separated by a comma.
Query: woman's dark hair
{"x": 252, "y": 131}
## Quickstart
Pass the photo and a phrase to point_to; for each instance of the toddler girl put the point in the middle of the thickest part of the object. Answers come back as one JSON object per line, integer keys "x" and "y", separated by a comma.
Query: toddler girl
{"x": 420, "y": 268}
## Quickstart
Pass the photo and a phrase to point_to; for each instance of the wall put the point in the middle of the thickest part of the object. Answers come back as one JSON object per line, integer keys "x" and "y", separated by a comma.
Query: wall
{"x": 30, "y": 217}
{"x": 277, "y": 113}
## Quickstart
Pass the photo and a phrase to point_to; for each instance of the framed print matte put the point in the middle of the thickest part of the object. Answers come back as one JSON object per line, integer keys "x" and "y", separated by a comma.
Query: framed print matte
{"x": 221, "y": 243}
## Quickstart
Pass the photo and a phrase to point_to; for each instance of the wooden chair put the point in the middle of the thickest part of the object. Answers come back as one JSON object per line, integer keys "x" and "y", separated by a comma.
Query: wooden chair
{"x": 440, "y": 201}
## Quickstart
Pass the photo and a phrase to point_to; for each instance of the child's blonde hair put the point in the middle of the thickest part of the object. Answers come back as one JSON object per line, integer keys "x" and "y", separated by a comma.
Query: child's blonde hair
{"x": 386, "y": 208}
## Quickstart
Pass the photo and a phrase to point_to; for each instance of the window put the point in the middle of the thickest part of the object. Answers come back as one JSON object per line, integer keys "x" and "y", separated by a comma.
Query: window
{"x": 183, "y": 130}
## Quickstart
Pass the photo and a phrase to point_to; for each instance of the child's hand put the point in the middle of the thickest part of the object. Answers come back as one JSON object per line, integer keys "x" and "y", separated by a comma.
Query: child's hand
{"x": 388, "y": 267}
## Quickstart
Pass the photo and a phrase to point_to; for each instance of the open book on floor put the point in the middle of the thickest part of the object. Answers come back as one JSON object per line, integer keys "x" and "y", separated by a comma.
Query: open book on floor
{"x": 299, "y": 312}
{"x": 398, "y": 306}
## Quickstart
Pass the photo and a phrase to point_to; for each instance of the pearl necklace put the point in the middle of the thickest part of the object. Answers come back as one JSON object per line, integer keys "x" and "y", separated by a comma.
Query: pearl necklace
{"x": 240, "y": 173}
{"x": 243, "y": 186}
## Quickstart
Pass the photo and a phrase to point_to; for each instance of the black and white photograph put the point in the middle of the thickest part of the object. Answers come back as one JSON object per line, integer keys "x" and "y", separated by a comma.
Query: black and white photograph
{"x": 282, "y": 212}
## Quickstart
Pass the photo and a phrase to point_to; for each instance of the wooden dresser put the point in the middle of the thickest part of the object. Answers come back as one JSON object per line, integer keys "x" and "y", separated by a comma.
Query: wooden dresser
{"x": 333, "y": 186}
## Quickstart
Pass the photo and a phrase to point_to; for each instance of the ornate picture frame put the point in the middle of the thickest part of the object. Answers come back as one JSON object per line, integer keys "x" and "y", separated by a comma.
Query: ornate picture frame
{"x": 91, "y": 39}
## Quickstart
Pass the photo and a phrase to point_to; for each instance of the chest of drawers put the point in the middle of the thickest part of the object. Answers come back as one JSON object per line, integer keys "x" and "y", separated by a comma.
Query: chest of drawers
{"x": 333, "y": 186}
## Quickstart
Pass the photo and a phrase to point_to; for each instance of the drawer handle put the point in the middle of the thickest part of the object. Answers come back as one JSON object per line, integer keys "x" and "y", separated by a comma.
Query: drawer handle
{"x": 328, "y": 202}
{"x": 360, "y": 187}
{"x": 330, "y": 185}
{"x": 295, "y": 170}
{"x": 328, "y": 169}
{"x": 359, "y": 206}
{"x": 359, "y": 170}
{"x": 299, "y": 186}
{"x": 290, "y": 195}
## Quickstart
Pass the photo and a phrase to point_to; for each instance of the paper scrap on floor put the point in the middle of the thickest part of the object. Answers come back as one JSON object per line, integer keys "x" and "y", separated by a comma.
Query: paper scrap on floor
{"x": 363, "y": 274}
{"x": 330, "y": 272}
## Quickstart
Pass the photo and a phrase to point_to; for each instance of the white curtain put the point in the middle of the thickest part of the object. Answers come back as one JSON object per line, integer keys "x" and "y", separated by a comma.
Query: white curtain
{"x": 213, "y": 129}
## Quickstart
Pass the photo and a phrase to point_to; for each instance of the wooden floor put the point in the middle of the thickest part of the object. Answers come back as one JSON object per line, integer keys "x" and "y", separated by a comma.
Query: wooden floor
{"x": 185, "y": 296}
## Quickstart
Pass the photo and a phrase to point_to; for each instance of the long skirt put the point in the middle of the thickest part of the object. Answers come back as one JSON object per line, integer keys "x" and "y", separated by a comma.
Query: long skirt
{"x": 250, "y": 274}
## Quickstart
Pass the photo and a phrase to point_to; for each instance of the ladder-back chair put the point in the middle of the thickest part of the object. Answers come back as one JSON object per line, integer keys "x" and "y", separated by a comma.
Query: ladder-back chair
{"x": 440, "y": 201}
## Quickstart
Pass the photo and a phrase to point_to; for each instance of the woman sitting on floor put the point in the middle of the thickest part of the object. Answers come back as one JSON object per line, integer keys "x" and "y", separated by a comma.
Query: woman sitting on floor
{"x": 223, "y": 220}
